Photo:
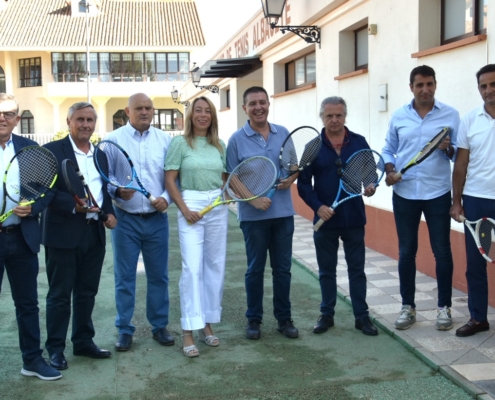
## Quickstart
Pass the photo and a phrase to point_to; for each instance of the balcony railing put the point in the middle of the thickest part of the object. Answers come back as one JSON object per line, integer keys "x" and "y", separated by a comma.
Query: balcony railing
{"x": 43, "y": 138}
{"x": 123, "y": 77}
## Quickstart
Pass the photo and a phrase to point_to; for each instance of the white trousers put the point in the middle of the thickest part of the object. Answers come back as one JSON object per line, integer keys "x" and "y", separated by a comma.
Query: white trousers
{"x": 203, "y": 248}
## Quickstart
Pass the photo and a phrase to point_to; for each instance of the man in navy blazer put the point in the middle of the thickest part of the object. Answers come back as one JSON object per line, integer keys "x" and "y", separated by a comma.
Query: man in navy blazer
{"x": 74, "y": 240}
{"x": 19, "y": 247}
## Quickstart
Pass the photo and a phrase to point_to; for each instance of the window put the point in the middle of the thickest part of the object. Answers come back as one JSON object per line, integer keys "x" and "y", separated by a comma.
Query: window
{"x": 227, "y": 98}
{"x": 120, "y": 119}
{"x": 168, "y": 120}
{"x": 121, "y": 67}
{"x": 27, "y": 122}
{"x": 361, "y": 48}
{"x": 30, "y": 72}
{"x": 3, "y": 86}
{"x": 300, "y": 71}
{"x": 462, "y": 19}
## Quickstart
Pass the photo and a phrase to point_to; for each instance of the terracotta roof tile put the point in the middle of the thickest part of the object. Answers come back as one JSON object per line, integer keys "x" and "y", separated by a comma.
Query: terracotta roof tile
{"x": 48, "y": 24}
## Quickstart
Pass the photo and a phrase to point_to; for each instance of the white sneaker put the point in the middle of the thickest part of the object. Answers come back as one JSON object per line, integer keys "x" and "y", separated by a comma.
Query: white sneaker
{"x": 406, "y": 318}
{"x": 444, "y": 319}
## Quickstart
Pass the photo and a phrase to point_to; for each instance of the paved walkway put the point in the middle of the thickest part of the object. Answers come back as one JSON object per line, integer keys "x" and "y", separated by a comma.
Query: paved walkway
{"x": 468, "y": 361}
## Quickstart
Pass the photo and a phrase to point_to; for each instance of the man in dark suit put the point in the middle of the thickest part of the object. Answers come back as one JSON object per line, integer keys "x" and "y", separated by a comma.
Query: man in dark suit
{"x": 74, "y": 240}
{"x": 19, "y": 245}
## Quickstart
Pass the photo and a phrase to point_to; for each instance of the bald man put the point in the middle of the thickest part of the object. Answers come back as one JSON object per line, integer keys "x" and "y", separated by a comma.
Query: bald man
{"x": 143, "y": 225}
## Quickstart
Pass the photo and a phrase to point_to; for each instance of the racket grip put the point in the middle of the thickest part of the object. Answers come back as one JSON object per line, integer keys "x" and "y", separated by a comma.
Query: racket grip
{"x": 152, "y": 199}
{"x": 398, "y": 175}
{"x": 102, "y": 216}
{"x": 206, "y": 210}
{"x": 318, "y": 224}
{"x": 462, "y": 218}
{"x": 269, "y": 194}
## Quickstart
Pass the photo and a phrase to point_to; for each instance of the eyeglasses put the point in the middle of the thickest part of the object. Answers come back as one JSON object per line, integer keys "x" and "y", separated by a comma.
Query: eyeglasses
{"x": 338, "y": 163}
{"x": 8, "y": 115}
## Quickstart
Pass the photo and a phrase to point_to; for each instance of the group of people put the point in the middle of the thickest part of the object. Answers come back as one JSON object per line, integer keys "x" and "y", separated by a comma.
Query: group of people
{"x": 191, "y": 170}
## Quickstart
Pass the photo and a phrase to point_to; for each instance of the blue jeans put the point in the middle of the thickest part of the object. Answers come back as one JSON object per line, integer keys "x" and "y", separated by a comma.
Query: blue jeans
{"x": 22, "y": 271}
{"x": 476, "y": 275}
{"x": 132, "y": 235}
{"x": 407, "y": 215}
{"x": 327, "y": 246}
{"x": 275, "y": 237}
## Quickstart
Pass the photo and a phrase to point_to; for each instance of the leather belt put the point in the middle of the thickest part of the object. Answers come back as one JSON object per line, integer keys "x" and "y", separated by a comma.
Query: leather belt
{"x": 142, "y": 215}
{"x": 10, "y": 229}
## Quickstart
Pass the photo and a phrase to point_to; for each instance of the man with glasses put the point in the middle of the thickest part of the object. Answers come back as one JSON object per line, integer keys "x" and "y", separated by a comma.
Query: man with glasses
{"x": 318, "y": 185}
{"x": 424, "y": 189}
{"x": 19, "y": 247}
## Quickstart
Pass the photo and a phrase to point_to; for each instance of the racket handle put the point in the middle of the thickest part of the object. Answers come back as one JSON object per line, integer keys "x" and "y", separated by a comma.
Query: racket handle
{"x": 318, "y": 224}
{"x": 102, "y": 216}
{"x": 152, "y": 199}
{"x": 398, "y": 175}
{"x": 206, "y": 210}
{"x": 462, "y": 218}
{"x": 270, "y": 194}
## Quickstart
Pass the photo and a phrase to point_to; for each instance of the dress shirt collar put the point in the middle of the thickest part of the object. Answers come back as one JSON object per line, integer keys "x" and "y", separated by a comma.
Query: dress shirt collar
{"x": 79, "y": 151}
{"x": 437, "y": 105}
{"x": 251, "y": 132}
{"x": 134, "y": 132}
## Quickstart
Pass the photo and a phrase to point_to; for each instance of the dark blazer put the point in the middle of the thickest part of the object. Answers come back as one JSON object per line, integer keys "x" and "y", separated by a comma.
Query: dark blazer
{"x": 60, "y": 227}
{"x": 29, "y": 225}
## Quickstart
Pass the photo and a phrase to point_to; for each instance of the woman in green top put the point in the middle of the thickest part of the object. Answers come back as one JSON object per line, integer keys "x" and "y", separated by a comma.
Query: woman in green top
{"x": 197, "y": 159}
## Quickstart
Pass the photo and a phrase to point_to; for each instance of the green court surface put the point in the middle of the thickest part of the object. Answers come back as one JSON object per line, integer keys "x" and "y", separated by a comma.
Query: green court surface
{"x": 340, "y": 364}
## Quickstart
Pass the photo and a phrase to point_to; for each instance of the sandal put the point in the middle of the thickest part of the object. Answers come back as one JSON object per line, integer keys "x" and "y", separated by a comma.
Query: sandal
{"x": 210, "y": 340}
{"x": 190, "y": 351}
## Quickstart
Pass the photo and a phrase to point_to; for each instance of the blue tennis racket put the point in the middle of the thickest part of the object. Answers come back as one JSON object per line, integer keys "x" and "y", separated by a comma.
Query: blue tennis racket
{"x": 116, "y": 167}
{"x": 362, "y": 169}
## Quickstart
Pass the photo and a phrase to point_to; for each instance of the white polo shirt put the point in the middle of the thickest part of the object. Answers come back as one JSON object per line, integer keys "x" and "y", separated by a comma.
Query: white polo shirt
{"x": 477, "y": 134}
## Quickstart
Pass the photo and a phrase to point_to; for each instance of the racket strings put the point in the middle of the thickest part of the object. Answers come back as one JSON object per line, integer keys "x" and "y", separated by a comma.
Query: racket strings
{"x": 113, "y": 163}
{"x": 300, "y": 150}
{"x": 73, "y": 179}
{"x": 361, "y": 171}
{"x": 485, "y": 230}
{"x": 432, "y": 145}
{"x": 251, "y": 178}
{"x": 37, "y": 171}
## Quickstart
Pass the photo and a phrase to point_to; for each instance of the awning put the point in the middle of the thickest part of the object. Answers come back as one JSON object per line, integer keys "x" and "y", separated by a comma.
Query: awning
{"x": 227, "y": 68}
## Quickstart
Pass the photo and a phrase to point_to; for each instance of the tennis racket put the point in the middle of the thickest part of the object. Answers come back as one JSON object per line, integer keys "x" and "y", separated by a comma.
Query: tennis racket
{"x": 426, "y": 151}
{"x": 483, "y": 232}
{"x": 362, "y": 169}
{"x": 251, "y": 179}
{"x": 116, "y": 167}
{"x": 78, "y": 188}
{"x": 298, "y": 151}
{"x": 28, "y": 177}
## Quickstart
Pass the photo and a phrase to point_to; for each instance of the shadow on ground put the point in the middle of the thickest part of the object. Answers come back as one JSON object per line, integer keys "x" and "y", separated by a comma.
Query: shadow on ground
{"x": 340, "y": 364}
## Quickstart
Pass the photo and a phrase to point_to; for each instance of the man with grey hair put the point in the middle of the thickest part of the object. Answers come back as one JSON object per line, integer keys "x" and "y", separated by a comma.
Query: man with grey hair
{"x": 74, "y": 240}
{"x": 318, "y": 185}
{"x": 19, "y": 247}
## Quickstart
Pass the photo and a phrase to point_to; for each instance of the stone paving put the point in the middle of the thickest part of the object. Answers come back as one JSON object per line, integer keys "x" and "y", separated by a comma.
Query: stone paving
{"x": 468, "y": 361}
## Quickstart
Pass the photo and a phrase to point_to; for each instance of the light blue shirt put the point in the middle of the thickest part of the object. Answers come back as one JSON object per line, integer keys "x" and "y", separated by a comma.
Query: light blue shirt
{"x": 147, "y": 152}
{"x": 407, "y": 134}
{"x": 5, "y": 156}
{"x": 246, "y": 143}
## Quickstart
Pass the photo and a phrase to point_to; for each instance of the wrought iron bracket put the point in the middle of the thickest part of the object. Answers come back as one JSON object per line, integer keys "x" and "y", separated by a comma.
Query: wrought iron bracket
{"x": 212, "y": 88}
{"x": 311, "y": 34}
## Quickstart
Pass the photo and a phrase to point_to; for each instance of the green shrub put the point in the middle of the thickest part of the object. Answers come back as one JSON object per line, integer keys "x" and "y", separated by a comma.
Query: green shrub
{"x": 95, "y": 138}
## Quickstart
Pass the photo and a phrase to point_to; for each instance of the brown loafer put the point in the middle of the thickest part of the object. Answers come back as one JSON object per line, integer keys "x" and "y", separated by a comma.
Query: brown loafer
{"x": 472, "y": 327}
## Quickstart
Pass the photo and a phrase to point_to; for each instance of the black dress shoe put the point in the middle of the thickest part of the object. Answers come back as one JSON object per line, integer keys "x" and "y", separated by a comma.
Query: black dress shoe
{"x": 366, "y": 326}
{"x": 123, "y": 342}
{"x": 472, "y": 327}
{"x": 93, "y": 351}
{"x": 323, "y": 323}
{"x": 288, "y": 329}
{"x": 253, "y": 329}
{"x": 164, "y": 337}
{"x": 58, "y": 361}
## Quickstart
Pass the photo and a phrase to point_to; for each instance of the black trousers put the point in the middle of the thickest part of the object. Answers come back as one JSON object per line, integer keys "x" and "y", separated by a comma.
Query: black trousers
{"x": 73, "y": 272}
